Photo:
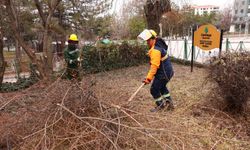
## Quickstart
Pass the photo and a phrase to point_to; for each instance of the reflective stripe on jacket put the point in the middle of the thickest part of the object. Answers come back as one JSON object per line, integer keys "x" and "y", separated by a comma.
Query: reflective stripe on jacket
{"x": 71, "y": 57}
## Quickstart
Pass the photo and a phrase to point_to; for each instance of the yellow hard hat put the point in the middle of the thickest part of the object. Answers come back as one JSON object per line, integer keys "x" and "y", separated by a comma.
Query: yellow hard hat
{"x": 153, "y": 33}
{"x": 73, "y": 37}
{"x": 147, "y": 34}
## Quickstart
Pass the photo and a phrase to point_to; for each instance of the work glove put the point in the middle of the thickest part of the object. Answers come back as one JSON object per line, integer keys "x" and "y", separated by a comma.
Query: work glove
{"x": 146, "y": 81}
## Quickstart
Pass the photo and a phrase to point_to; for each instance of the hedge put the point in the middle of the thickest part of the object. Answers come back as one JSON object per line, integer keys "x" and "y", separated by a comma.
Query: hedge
{"x": 112, "y": 56}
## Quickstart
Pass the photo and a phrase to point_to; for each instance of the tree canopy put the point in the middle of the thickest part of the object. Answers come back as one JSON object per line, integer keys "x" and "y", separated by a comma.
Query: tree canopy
{"x": 43, "y": 21}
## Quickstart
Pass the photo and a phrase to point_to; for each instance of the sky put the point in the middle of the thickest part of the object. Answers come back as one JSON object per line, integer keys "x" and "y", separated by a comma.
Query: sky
{"x": 221, "y": 3}
{"x": 117, "y": 5}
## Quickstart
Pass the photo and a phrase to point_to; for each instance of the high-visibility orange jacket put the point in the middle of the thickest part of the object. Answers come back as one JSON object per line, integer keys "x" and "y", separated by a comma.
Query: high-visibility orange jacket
{"x": 160, "y": 65}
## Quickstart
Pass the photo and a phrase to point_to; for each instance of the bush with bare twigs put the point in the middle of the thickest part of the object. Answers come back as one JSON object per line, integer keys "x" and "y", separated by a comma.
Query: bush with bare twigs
{"x": 232, "y": 73}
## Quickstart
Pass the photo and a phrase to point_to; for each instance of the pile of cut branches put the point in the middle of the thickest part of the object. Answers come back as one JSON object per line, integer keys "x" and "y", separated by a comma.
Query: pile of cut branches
{"x": 67, "y": 115}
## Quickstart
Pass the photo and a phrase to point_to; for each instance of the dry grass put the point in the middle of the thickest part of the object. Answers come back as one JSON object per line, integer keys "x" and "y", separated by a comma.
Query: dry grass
{"x": 198, "y": 121}
{"x": 67, "y": 115}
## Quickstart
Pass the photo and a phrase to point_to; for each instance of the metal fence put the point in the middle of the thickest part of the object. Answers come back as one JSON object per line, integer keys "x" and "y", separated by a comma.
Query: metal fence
{"x": 181, "y": 49}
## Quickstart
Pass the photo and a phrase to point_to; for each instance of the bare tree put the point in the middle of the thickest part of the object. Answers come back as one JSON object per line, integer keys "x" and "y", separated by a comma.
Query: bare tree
{"x": 154, "y": 9}
{"x": 17, "y": 45}
{"x": 129, "y": 10}
{"x": 51, "y": 21}
{"x": 225, "y": 19}
{"x": 172, "y": 22}
{"x": 2, "y": 62}
{"x": 45, "y": 65}
{"x": 169, "y": 22}
{"x": 46, "y": 22}
{"x": 29, "y": 51}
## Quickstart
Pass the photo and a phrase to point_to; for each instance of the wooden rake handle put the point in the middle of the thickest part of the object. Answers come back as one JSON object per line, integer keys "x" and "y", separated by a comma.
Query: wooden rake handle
{"x": 132, "y": 96}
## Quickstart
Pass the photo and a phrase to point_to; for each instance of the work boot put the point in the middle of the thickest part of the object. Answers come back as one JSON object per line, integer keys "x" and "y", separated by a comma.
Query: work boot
{"x": 159, "y": 105}
{"x": 170, "y": 103}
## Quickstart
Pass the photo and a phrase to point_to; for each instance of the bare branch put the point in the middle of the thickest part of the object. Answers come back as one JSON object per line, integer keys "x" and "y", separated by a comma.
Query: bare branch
{"x": 40, "y": 11}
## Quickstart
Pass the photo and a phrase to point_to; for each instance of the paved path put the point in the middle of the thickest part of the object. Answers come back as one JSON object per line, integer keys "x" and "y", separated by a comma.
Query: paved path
{"x": 13, "y": 78}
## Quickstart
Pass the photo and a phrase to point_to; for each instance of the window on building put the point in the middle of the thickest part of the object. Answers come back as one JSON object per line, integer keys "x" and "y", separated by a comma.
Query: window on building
{"x": 242, "y": 11}
{"x": 240, "y": 18}
{"x": 236, "y": 11}
{"x": 248, "y": 11}
{"x": 243, "y": 2}
{"x": 248, "y": 2}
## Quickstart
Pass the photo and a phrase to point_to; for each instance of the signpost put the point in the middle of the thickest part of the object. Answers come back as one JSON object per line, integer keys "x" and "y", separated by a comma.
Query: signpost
{"x": 206, "y": 37}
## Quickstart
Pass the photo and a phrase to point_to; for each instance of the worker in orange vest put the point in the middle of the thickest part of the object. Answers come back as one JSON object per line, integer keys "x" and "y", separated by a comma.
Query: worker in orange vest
{"x": 161, "y": 70}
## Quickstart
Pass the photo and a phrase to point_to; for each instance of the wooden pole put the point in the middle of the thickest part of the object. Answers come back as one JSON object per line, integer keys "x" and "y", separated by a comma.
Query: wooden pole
{"x": 192, "y": 54}
{"x": 221, "y": 39}
{"x": 134, "y": 94}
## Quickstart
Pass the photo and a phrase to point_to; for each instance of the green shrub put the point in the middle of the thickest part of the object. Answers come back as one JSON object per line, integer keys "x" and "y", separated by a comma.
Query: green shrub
{"x": 112, "y": 56}
{"x": 21, "y": 83}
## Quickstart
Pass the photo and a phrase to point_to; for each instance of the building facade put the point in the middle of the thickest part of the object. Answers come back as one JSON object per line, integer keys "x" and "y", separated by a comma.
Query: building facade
{"x": 241, "y": 17}
{"x": 207, "y": 9}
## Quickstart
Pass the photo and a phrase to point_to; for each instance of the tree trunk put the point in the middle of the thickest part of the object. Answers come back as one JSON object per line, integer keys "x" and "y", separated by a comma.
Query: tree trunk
{"x": 47, "y": 54}
{"x": 61, "y": 46}
{"x": 8, "y": 47}
{"x": 2, "y": 62}
{"x": 18, "y": 57}
{"x": 47, "y": 50}
{"x": 17, "y": 46}
{"x": 18, "y": 50}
